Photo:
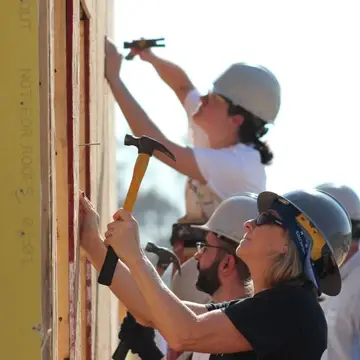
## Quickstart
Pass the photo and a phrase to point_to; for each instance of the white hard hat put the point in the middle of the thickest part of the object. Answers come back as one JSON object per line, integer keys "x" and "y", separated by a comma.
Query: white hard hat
{"x": 229, "y": 217}
{"x": 346, "y": 196}
{"x": 252, "y": 87}
{"x": 184, "y": 286}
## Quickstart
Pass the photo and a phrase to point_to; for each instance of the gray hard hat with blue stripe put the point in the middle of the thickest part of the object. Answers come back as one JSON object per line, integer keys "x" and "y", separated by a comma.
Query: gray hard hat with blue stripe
{"x": 321, "y": 229}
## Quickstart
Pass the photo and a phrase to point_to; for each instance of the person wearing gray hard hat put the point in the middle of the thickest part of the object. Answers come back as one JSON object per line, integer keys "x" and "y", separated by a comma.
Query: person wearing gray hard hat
{"x": 343, "y": 311}
{"x": 219, "y": 273}
{"x": 216, "y": 255}
{"x": 227, "y": 155}
{"x": 293, "y": 250}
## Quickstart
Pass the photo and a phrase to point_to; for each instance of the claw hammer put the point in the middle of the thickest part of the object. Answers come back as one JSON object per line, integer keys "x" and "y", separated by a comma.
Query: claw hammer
{"x": 141, "y": 44}
{"x": 165, "y": 257}
{"x": 146, "y": 146}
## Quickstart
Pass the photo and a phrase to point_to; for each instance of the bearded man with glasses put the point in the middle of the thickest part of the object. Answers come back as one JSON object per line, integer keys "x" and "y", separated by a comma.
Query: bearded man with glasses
{"x": 221, "y": 274}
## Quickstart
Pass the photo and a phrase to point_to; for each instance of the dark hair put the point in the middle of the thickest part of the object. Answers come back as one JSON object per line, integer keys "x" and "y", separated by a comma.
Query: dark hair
{"x": 251, "y": 130}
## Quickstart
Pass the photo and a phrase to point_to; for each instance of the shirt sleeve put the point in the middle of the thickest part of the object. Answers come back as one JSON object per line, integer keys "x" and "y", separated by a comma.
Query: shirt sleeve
{"x": 196, "y": 135}
{"x": 192, "y": 102}
{"x": 222, "y": 305}
{"x": 344, "y": 321}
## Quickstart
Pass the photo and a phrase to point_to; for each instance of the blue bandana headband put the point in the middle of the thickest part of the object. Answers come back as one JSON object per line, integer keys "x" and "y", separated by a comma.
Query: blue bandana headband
{"x": 299, "y": 226}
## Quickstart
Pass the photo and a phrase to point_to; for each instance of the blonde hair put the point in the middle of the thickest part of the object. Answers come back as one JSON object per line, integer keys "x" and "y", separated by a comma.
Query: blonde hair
{"x": 286, "y": 266}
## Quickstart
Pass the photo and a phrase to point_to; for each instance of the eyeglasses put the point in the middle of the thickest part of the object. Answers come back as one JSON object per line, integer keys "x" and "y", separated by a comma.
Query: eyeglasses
{"x": 201, "y": 246}
{"x": 267, "y": 218}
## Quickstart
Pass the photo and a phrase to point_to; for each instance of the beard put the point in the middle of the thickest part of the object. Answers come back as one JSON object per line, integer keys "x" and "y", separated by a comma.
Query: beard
{"x": 208, "y": 279}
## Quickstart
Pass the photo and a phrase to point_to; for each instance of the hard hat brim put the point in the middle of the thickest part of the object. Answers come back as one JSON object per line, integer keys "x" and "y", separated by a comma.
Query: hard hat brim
{"x": 331, "y": 284}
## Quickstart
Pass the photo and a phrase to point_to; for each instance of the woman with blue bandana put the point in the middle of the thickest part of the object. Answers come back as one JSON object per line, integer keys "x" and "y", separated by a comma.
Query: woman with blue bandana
{"x": 293, "y": 250}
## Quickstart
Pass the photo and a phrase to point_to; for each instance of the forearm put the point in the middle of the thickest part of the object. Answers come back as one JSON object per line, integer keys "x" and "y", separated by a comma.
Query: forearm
{"x": 141, "y": 124}
{"x": 135, "y": 116}
{"x": 196, "y": 308}
{"x": 176, "y": 319}
{"x": 123, "y": 286}
{"x": 173, "y": 76}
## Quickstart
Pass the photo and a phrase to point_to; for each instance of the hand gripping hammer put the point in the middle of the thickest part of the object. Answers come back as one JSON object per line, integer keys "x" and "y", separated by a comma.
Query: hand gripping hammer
{"x": 146, "y": 146}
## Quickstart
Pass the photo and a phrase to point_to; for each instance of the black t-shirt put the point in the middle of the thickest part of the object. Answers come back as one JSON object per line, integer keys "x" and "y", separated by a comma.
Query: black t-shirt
{"x": 282, "y": 323}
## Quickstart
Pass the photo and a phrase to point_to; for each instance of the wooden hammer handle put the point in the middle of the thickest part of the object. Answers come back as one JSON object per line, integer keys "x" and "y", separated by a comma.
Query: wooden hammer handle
{"x": 111, "y": 259}
{"x": 140, "y": 167}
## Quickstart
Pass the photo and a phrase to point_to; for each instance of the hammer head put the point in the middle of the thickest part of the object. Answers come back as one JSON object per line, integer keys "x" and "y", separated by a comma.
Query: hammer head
{"x": 147, "y": 145}
{"x": 166, "y": 256}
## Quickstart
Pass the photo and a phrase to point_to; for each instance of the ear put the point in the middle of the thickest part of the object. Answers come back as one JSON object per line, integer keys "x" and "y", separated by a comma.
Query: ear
{"x": 237, "y": 120}
{"x": 228, "y": 265}
{"x": 285, "y": 249}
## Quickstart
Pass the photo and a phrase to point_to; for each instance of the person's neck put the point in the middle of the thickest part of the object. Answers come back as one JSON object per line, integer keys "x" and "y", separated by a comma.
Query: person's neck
{"x": 229, "y": 292}
{"x": 217, "y": 142}
{"x": 258, "y": 278}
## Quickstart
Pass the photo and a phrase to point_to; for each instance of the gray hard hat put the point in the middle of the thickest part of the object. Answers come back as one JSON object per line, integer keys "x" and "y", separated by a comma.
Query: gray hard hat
{"x": 349, "y": 199}
{"x": 345, "y": 195}
{"x": 326, "y": 228}
{"x": 229, "y": 217}
{"x": 253, "y": 87}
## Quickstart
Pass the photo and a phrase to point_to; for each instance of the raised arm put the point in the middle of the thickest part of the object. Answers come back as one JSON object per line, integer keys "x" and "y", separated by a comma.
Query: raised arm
{"x": 170, "y": 73}
{"x": 95, "y": 249}
{"x": 211, "y": 332}
{"x": 123, "y": 285}
{"x": 139, "y": 121}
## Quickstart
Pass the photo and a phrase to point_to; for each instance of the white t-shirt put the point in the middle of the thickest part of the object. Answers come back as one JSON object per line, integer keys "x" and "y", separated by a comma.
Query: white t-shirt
{"x": 228, "y": 171}
{"x": 342, "y": 314}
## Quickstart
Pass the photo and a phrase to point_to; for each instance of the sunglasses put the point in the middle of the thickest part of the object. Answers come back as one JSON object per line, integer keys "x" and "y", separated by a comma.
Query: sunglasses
{"x": 268, "y": 218}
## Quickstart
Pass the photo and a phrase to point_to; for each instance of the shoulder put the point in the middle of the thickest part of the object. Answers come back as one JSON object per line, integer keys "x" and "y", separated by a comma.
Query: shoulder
{"x": 285, "y": 306}
{"x": 191, "y": 101}
{"x": 300, "y": 304}
{"x": 241, "y": 164}
{"x": 242, "y": 152}
{"x": 283, "y": 301}
{"x": 273, "y": 318}
{"x": 248, "y": 161}
{"x": 347, "y": 303}
{"x": 241, "y": 159}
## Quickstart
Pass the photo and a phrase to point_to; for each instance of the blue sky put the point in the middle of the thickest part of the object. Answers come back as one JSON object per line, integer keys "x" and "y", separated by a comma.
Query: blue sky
{"x": 311, "y": 46}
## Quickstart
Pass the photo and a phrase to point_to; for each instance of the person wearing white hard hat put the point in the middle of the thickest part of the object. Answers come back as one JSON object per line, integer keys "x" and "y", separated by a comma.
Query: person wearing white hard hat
{"x": 233, "y": 118}
{"x": 293, "y": 250}
{"x": 219, "y": 272}
{"x": 227, "y": 156}
{"x": 343, "y": 311}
